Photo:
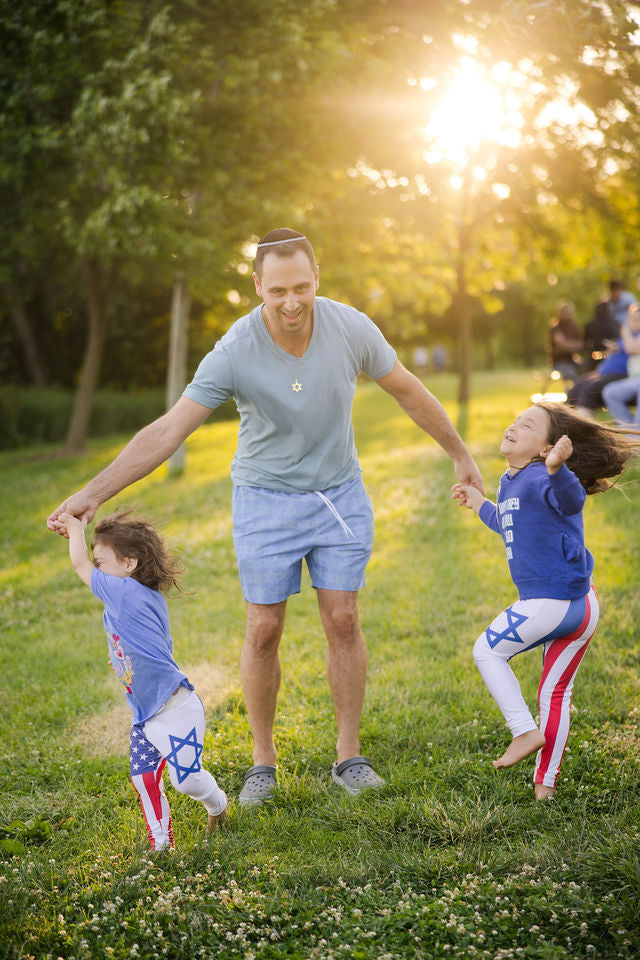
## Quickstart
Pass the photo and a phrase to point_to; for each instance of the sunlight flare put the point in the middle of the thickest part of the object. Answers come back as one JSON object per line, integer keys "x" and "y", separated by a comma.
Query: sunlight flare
{"x": 474, "y": 109}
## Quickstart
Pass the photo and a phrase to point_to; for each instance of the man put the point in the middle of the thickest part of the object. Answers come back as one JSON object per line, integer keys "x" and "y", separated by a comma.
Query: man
{"x": 291, "y": 365}
{"x": 620, "y": 300}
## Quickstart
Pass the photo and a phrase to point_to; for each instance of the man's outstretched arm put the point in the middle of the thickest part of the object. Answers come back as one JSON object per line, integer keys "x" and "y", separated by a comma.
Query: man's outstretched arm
{"x": 150, "y": 447}
{"x": 425, "y": 410}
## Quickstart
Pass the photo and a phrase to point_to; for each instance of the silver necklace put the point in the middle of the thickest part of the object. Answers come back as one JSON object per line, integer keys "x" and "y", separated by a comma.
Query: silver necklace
{"x": 296, "y": 386}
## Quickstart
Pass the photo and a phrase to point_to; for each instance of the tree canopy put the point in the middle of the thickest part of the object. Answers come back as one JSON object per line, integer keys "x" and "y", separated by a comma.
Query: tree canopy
{"x": 456, "y": 164}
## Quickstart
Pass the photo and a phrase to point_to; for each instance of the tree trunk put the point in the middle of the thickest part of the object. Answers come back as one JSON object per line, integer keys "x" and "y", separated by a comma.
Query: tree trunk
{"x": 178, "y": 352}
{"x": 463, "y": 304}
{"x": 26, "y": 336}
{"x": 79, "y": 425}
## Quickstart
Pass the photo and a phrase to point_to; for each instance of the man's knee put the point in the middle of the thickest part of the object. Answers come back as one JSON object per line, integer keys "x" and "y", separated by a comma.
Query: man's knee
{"x": 340, "y": 616}
{"x": 265, "y": 623}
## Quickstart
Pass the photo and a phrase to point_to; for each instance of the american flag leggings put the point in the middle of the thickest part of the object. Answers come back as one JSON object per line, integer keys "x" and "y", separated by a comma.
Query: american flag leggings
{"x": 172, "y": 737}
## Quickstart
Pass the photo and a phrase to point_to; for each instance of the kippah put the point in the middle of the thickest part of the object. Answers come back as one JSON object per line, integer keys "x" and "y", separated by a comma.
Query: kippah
{"x": 272, "y": 243}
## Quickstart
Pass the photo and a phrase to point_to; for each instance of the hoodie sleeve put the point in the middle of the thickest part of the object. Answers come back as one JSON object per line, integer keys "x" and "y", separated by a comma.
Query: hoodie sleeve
{"x": 564, "y": 492}
{"x": 489, "y": 515}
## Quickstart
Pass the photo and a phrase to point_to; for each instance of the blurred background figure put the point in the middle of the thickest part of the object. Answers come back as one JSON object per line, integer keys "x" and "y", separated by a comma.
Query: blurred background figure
{"x": 620, "y": 300}
{"x": 564, "y": 342}
{"x": 587, "y": 394}
{"x": 439, "y": 354}
{"x": 420, "y": 360}
{"x": 621, "y": 396}
{"x": 601, "y": 330}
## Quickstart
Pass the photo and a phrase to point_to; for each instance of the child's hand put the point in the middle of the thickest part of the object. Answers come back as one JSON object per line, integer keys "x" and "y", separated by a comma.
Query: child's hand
{"x": 559, "y": 454}
{"x": 467, "y": 496}
{"x": 66, "y": 522}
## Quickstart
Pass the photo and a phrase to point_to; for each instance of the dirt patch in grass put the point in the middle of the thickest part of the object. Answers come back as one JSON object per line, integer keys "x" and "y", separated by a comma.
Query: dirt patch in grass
{"x": 107, "y": 733}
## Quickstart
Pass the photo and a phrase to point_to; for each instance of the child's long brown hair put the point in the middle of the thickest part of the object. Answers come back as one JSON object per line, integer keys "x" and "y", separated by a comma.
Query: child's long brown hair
{"x": 130, "y": 536}
{"x": 600, "y": 451}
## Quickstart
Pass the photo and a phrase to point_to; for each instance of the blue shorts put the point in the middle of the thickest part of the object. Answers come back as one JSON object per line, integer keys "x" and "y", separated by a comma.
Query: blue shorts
{"x": 274, "y": 531}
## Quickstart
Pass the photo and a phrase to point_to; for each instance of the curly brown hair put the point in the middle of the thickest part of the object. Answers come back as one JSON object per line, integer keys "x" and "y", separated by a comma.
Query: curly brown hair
{"x": 600, "y": 450}
{"x": 130, "y": 536}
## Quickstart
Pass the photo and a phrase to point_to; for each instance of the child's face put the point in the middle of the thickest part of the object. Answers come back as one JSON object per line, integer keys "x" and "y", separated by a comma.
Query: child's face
{"x": 105, "y": 559}
{"x": 526, "y": 438}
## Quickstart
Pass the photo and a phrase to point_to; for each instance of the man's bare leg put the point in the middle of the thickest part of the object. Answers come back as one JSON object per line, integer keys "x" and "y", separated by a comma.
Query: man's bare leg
{"x": 346, "y": 665}
{"x": 260, "y": 674}
{"x": 520, "y": 747}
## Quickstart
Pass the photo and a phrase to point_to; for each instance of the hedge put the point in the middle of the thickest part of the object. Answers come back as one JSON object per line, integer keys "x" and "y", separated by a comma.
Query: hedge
{"x": 31, "y": 416}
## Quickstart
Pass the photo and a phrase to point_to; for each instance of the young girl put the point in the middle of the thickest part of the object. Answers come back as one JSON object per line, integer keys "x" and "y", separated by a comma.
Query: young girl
{"x": 556, "y": 457}
{"x": 130, "y": 567}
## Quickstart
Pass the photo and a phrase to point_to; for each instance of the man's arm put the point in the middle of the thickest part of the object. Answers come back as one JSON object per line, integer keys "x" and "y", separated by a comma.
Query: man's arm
{"x": 150, "y": 447}
{"x": 429, "y": 414}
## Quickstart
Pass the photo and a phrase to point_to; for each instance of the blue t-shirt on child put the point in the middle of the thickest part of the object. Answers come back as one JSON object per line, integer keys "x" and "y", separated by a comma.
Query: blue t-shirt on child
{"x": 140, "y": 643}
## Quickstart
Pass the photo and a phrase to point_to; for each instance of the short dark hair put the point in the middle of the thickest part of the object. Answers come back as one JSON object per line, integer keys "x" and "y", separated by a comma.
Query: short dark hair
{"x": 130, "y": 536}
{"x": 294, "y": 241}
{"x": 615, "y": 284}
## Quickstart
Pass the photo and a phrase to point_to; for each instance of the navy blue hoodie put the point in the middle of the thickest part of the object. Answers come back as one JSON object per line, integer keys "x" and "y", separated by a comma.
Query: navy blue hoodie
{"x": 540, "y": 519}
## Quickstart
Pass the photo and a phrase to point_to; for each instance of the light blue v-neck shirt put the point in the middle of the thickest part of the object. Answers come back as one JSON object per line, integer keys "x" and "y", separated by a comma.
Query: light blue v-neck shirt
{"x": 288, "y": 440}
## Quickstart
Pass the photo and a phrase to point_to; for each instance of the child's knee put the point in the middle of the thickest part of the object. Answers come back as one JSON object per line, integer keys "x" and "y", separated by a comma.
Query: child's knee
{"x": 481, "y": 650}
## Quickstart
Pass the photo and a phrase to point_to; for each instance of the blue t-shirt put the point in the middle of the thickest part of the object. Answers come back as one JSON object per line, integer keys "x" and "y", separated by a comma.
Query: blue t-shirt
{"x": 617, "y": 362}
{"x": 294, "y": 440}
{"x": 540, "y": 519}
{"x": 140, "y": 644}
{"x": 620, "y": 307}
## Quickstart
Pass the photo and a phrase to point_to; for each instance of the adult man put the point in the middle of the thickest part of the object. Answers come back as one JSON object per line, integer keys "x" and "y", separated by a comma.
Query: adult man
{"x": 291, "y": 365}
{"x": 620, "y": 300}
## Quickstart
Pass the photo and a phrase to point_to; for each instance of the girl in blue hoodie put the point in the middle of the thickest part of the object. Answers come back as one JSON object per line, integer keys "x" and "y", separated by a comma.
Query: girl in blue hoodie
{"x": 555, "y": 458}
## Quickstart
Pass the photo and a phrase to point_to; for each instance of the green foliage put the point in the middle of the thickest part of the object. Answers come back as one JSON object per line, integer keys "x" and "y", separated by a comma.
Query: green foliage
{"x": 450, "y": 859}
{"x": 161, "y": 136}
{"x": 30, "y": 416}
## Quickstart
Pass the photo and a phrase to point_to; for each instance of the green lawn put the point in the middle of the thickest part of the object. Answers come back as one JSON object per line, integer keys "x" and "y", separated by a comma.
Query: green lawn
{"x": 450, "y": 859}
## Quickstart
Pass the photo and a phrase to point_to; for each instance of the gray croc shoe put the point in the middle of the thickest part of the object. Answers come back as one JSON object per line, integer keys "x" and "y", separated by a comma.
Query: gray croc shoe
{"x": 259, "y": 785}
{"x": 356, "y": 774}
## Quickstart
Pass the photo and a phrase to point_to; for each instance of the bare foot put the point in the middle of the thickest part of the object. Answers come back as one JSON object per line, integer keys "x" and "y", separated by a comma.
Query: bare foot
{"x": 544, "y": 793}
{"x": 519, "y": 748}
{"x": 215, "y": 822}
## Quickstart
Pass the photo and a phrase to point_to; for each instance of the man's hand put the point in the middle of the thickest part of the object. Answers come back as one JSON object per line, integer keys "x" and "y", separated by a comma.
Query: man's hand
{"x": 559, "y": 454}
{"x": 79, "y": 506}
{"x": 467, "y": 473}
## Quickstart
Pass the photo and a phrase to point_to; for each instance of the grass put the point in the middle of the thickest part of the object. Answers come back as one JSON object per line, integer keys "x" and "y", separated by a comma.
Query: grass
{"x": 450, "y": 859}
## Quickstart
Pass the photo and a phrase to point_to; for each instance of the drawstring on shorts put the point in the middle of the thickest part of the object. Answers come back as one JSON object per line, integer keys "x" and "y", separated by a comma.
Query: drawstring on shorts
{"x": 348, "y": 532}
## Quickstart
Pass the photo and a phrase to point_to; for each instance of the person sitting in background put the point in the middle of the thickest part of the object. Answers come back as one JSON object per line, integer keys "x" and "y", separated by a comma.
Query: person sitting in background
{"x": 621, "y": 395}
{"x": 587, "y": 393}
{"x": 564, "y": 341}
{"x": 599, "y": 332}
{"x": 620, "y": 300}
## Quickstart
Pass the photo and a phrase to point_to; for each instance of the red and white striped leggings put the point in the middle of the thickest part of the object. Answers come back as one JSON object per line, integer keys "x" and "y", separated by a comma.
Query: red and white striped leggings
{"x": 563, "y": 628}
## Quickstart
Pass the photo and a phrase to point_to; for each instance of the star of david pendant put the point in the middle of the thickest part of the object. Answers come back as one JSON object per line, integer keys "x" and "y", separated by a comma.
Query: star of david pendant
{"x": 297, "y": 386}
